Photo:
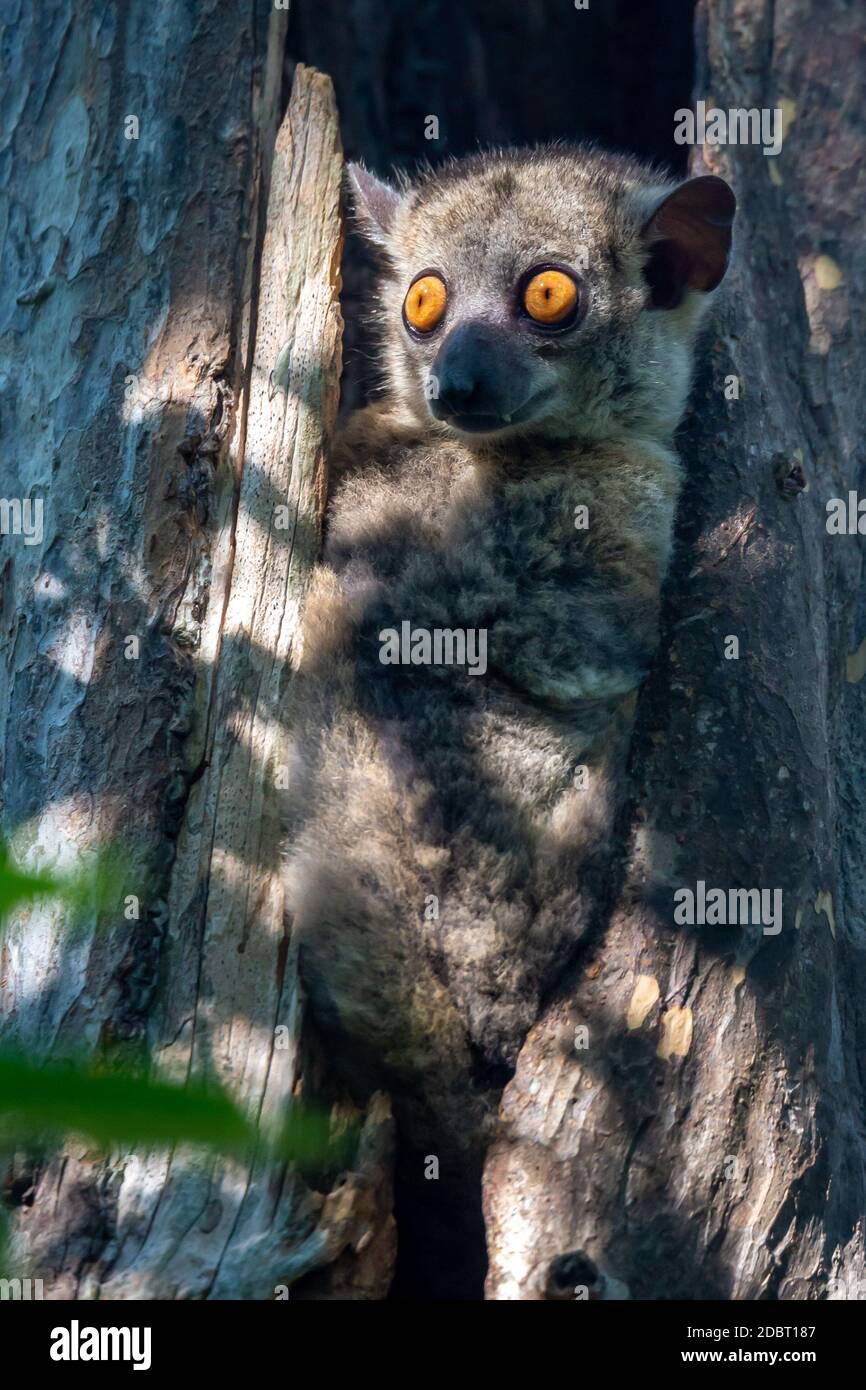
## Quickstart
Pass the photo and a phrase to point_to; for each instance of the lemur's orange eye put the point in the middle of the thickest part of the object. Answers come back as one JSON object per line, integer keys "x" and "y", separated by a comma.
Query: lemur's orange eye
{"x": 550, "y": 297}
{"x": 424, "y": 305}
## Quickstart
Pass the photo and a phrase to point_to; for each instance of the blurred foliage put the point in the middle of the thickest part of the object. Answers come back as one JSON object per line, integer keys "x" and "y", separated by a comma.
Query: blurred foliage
{"x": 17, "y": 886}
{"x": 90, "y": 890}
{"x": 112, "y": 1108}
{"x": 40, "y": 1103}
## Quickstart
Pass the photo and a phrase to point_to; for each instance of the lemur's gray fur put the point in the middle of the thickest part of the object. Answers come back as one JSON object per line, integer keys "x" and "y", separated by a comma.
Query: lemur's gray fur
{"x": 425, "y": 785}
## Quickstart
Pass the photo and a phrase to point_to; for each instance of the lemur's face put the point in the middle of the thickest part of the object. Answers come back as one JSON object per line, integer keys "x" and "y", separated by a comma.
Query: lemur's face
{"x": 553, "y": 294}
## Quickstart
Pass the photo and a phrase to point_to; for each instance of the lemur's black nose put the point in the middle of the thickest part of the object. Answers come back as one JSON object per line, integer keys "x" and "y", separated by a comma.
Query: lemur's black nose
{"x": 462, "y": 384}
{"x": 479, "y": 378}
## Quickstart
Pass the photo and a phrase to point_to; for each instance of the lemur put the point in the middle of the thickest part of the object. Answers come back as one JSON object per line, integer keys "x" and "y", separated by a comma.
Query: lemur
{"x": 538, "y": 310}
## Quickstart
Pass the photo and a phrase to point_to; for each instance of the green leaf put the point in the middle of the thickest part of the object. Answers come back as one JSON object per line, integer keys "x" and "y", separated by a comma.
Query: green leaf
{"x": 124, "y": 1110}
{"x": 90, "y": 890}
{"x": 17, "y": 886}
{"x": 114, "y": 1108}
{"x": 307, "y": 1141}
{"x": 96, "y": 887}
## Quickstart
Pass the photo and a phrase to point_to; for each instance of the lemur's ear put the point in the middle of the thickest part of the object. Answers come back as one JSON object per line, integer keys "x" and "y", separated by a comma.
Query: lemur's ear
{"x": 375, "y": 202}
{"x": 688, "y": 235}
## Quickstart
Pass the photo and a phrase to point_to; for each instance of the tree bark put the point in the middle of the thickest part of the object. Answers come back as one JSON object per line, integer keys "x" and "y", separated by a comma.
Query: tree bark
{"x": 708, "y": 1141}
{"x": 174, "y": 365}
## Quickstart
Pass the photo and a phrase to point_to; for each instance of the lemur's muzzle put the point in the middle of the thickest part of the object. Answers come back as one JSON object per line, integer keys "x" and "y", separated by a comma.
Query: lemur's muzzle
{"x": 480, "y": 380}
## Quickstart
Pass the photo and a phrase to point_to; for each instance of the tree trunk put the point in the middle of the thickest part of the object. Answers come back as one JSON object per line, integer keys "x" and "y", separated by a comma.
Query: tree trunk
{"x": 173, "y": 378}
{"x": 707, "y": 1142}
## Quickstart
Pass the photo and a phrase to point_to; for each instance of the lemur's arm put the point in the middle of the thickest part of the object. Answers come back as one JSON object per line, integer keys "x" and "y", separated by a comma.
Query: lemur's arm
{"x": 561, "y": 569}
{"x": 583, "y": 560}
{"x": 562, "y": 572}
